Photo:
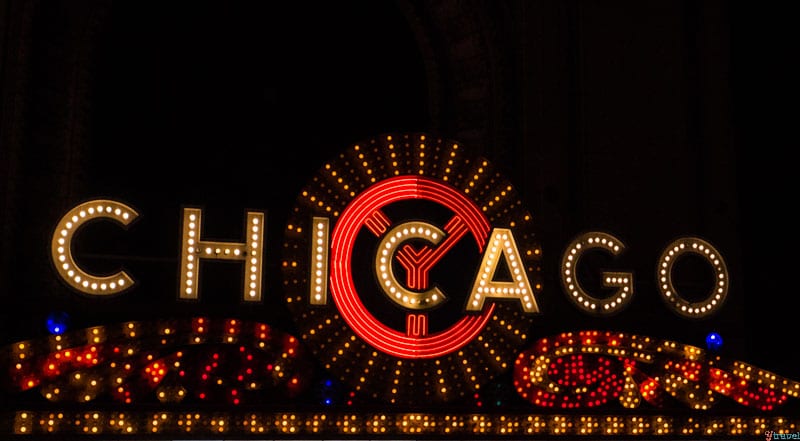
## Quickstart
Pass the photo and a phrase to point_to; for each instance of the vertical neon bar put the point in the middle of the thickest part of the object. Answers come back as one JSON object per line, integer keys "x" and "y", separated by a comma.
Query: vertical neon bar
{"x": 318, "y": 277}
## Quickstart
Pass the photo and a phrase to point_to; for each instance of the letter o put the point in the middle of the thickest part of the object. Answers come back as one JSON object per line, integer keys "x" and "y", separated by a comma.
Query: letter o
{"x": 667, "y": 289}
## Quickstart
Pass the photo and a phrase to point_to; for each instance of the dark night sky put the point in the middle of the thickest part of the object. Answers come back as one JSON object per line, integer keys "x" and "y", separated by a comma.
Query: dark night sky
{"x": 764, "y": 83}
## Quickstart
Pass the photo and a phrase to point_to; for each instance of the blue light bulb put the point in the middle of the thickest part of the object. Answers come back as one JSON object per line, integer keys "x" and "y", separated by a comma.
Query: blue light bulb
{"x": 713, "y": 341}
{"x": 57, "y": 322}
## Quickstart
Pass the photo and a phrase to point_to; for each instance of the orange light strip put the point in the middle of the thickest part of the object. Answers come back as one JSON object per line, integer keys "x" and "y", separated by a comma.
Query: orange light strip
{"x": 204, "y": 423}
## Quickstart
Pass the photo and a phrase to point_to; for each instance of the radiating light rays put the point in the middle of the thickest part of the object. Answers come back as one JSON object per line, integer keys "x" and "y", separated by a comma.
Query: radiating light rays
{"x": 440, "y": 167}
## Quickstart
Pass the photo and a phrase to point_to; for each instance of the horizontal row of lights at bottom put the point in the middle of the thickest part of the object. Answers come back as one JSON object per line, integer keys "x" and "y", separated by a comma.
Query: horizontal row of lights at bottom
{"x": 205, "y": 423}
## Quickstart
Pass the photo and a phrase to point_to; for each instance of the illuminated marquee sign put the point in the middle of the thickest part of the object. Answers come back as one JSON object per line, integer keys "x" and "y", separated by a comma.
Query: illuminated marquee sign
{"x": 421, "y": 230}
{"x": 413, "y": 273}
